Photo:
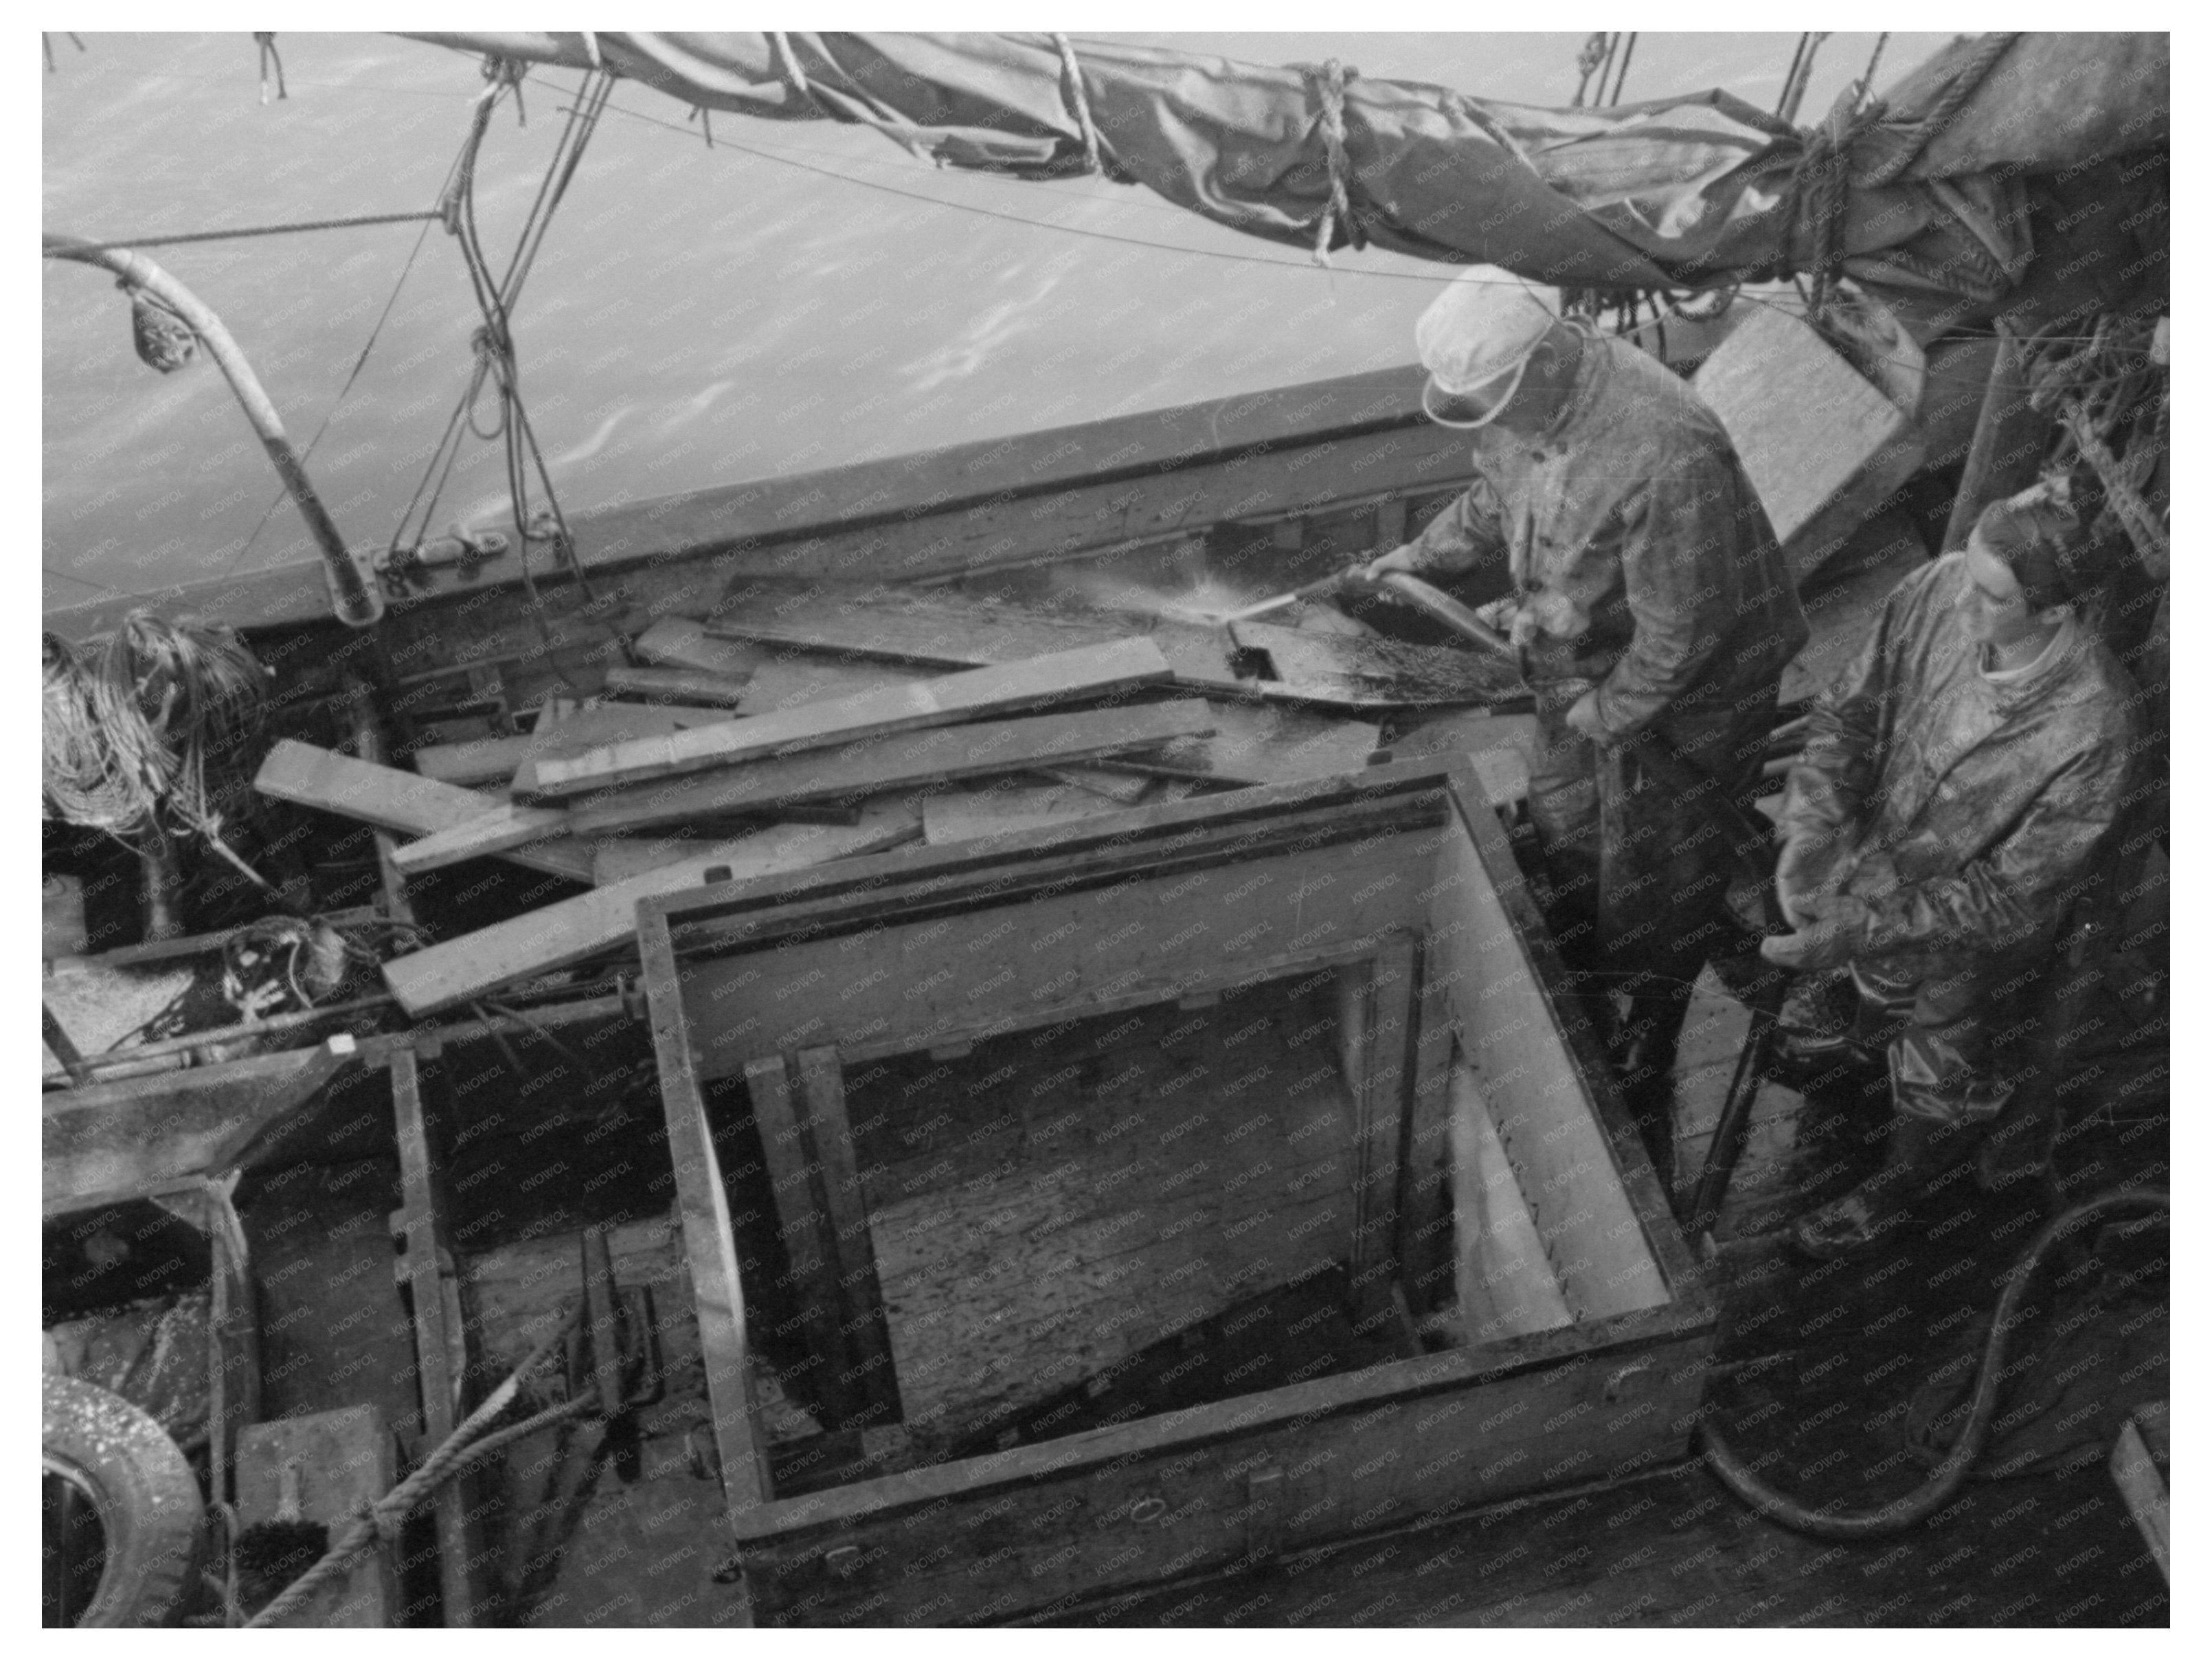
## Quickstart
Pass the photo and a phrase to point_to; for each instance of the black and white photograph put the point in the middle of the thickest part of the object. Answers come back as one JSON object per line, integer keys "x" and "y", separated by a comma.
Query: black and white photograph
{"x": 1178, "y": 830}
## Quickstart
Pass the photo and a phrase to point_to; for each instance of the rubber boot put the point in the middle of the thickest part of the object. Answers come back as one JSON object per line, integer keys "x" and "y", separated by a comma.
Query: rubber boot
{"x": 1821, "y": 1039}
{"x": 1644, "y": 1054}
{"x": 1920, "y": 1151}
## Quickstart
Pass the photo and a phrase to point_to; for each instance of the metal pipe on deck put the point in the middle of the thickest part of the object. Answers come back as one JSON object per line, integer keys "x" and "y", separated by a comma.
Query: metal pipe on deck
{"x": 355, "y": 594}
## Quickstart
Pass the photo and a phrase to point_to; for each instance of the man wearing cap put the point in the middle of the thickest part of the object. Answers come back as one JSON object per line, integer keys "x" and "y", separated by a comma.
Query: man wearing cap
{"x": 1955, "y": 787}
{"x": 1649, "y": 606}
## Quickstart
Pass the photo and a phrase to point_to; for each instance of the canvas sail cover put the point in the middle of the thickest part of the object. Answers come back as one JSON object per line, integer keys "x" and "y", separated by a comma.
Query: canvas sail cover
{"x": 1671, "y": 192}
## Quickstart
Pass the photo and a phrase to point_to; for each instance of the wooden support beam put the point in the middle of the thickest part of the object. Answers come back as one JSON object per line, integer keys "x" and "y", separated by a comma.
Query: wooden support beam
{"x": 1379, "y": 1002}
{"x": 809, "y": 1245}
{"x": 978, "y": 694}
{"x": 860, "y": 1304}
{"x": 900, "y": 761}
{"x": 460, "y": 971}
{"x": 710, "y": 1252}
{"x": 430, "y": 1274}
{"x": 1425, "y": 1184}
{"x": 395, "y": 800}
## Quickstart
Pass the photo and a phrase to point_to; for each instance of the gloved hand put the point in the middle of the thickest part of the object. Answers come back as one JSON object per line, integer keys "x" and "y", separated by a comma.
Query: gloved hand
{"x": 1831, "y": 934}
{"x": 1809, "y": 868}
{"x": 1361, "y": 579}
{"x": 1582, "y": 718}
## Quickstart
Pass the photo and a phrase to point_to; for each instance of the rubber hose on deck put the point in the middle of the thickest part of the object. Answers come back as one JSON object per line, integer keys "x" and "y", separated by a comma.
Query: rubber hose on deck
{"x": 1951, "y": 1474}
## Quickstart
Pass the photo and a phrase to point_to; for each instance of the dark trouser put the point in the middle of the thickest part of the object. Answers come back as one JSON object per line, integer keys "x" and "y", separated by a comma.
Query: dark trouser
{"x": 1639, "y": 871}
{"x": 1935, "y": 1015}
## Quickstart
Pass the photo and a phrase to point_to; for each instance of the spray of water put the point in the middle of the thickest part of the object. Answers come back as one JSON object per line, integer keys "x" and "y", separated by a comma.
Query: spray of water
{"x": 1201, "y": 600}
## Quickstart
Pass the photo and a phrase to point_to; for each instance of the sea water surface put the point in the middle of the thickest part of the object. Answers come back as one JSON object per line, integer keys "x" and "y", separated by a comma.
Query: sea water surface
{"x": 788, "y": 297}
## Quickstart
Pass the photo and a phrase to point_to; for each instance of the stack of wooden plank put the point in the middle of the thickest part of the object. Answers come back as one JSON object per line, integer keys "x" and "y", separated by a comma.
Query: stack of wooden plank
{"x": 810, "y": 724}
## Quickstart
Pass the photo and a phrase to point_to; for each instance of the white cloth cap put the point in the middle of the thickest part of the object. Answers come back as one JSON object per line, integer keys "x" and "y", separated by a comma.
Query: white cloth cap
{"x": 1481, "y": 327}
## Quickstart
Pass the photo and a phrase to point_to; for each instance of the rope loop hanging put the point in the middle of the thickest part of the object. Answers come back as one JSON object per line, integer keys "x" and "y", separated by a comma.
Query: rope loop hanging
{"x": 1080, "y": 100}
{"x": 1328, "y": 83}
{"x": 1590, "y": 60}
{"x": 789, "y": 67}
{"x": 266, "y": 39}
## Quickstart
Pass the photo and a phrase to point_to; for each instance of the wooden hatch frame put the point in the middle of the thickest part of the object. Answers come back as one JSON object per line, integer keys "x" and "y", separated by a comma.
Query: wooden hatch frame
{"x": 1399, "y": 878}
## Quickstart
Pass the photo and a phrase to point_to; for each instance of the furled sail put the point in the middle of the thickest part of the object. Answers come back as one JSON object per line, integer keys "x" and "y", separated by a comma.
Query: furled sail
{"x": 1921, "y": 191}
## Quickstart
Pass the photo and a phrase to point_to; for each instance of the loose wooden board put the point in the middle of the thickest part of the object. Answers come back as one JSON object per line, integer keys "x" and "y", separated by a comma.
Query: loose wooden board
{"x": 505, "y": 827}
{"x": 1009, "y": 688}
{"x": 876, "y": 624}
{"x": 676, "y": 686}
{"x": 460, "y": 971}
{"x": 786, "y": 682}
{"x": 899, "y": 761}
{"x": 484, "y": 759}
{"x": 1500, "y": 747}
{"x": 395, "y": 800}
{"x": 1343, "y": 672}
{"x": 889, "y": 625}
{"x": 1266, "y": 744}
{"x": 681, "y": 643}
{"x": 974, "y": 813}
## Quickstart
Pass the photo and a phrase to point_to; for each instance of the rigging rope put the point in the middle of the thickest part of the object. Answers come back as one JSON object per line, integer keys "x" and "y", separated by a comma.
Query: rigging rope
{"x": 1081, "y": 101}
{"x": 1329, "y": 82}
{"x": 266, "y": 39}
{"x": 263, "y": 230}
{"x": 1596, "y": 52}
{"x": 495, "y": 364}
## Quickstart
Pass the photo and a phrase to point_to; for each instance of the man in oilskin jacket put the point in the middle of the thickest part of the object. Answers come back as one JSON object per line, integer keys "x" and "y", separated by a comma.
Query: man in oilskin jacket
{"x": 1955, "y": 787}
{"x": 1648, "y": 598}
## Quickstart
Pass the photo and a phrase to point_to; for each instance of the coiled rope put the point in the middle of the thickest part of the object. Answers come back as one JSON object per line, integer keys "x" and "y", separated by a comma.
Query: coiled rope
{"x": 139, "y": 733}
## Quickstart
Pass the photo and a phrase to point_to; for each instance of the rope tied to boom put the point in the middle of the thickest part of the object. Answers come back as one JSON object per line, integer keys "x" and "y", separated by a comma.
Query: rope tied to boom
{"x": 1329, "y": 82}
{"x": 1819, "y": 196}
{"x": 1080, "y": 100}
